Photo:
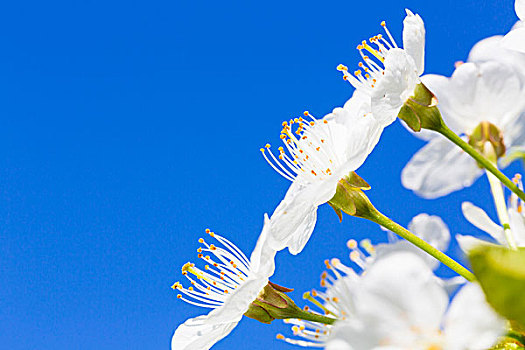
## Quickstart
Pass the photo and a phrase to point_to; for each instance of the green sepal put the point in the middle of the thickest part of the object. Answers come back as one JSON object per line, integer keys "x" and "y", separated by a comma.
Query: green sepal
{"x": 420, "y": 111}
{"x": 501, "y": 274}
{"x": 349, "y": 197}
{"x": 272, "y": 303}
{"x": 258, "y": 313}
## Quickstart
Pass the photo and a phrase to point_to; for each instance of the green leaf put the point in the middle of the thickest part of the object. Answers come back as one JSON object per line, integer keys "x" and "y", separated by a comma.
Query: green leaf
{"x": 501, "y": 273}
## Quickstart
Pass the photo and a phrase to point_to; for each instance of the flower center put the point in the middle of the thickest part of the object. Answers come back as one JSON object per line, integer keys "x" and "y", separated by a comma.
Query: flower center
{"x": 369, "y": 72}
{"x": 221, "y": 276}
{"x": 309, "y": 151}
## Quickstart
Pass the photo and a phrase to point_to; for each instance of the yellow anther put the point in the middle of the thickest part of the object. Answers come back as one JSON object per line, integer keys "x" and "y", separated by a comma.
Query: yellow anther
{"x": 351, "y": 244}
{"x": 179, "y": 296}
{"x": 327, "y": 264}
{"x": 279, "y": 336}
{"x": 201, "y": 240}
{"x": 383, "y": 24}
{"x": 267, "y": 145}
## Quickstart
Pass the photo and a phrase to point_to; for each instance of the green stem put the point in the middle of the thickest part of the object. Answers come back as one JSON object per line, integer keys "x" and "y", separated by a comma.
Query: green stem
{"x": 309, "y": 316}
{"x": 484, "y": 162}
{"x": 377, "y": 217}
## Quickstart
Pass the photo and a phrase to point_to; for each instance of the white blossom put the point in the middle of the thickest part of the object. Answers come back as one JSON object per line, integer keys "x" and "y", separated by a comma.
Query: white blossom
{"x": 229, "y": 283}
{"x": 484, "y": 90}
{"x": 315, "y": 157}
{"x": 389, "y": 76}
{"x": 341, "y": 281}
{"x": 400, "y": 305}
{"x": 515, "y": 39}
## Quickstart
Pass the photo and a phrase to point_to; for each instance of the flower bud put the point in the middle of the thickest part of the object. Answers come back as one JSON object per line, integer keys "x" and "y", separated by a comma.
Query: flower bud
{"x": 420, "y": 110}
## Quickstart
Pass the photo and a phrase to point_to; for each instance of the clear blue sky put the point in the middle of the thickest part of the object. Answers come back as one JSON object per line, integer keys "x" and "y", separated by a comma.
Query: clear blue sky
{"x": 129, "y": 127}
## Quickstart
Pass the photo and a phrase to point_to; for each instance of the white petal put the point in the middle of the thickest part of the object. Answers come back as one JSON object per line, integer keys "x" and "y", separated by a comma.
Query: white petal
{"x": 262, "y": 260}
{"x": 304, "y": 231}
{"x": 492, "y": 49}
{"x": 196, "y": 333}
{"x": 479, "y": 218}
{"x": 486, "y": 91}
{"x": 438, "y": 169}
{"x": 384, "y": 249}
{"x": 431, "y": 229}
{"x": 519, "y": 6}
{"x": 400, "y": 291}
{"x": 467, "y": 243}
{"x": 352, "y": 334}
{"x": 470, "y": 323}
{"x": 292, "y": 221}
{"x": 238, "y": 301}
{"x": 441, "y": 88}
{"x": 414, "y": 39}
{"x": 395, "y": 86}
{"x": 515, "y": 40}
{"x": 517, "y": 226}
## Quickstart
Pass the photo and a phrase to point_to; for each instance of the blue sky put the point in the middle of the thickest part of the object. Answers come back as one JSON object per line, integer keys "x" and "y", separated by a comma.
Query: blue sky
{"x": 129, "y": 127}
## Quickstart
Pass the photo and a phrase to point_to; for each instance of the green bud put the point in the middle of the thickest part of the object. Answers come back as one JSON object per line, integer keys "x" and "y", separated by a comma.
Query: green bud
{"x": 420, "y": 111}
{"x": 349, "y": 197}
{"x": 487, "y": 132}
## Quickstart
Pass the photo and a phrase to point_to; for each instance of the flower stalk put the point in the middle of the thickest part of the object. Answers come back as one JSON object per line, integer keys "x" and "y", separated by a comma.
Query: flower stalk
{"x": 379, "y": 218}
{"x": 351, "y": 200}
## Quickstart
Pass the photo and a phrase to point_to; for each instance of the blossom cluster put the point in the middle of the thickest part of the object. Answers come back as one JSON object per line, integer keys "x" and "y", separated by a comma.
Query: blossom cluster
{"x": 388, "y": 295}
